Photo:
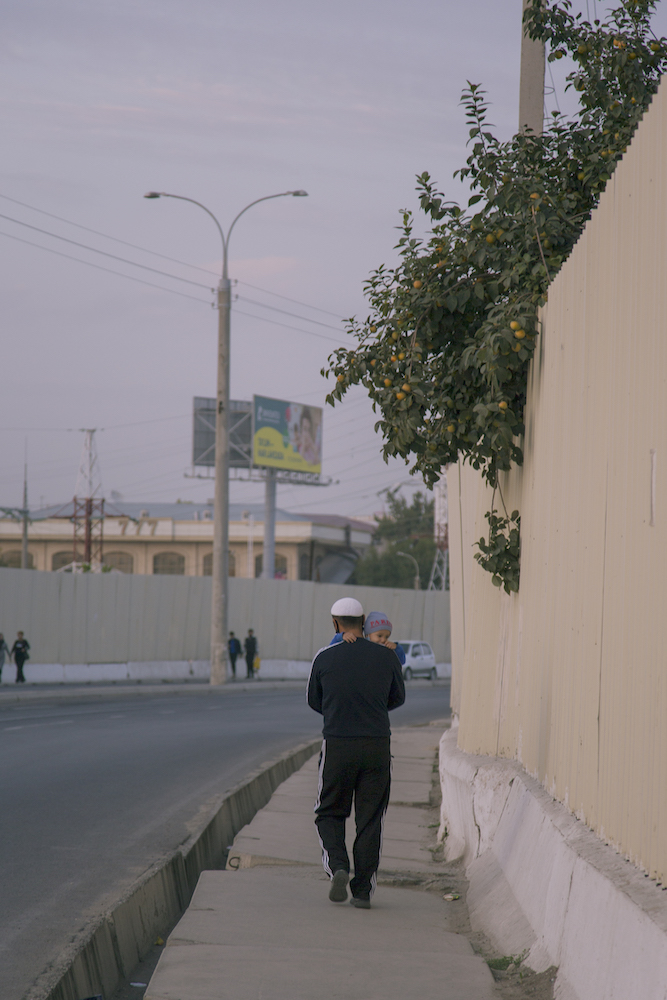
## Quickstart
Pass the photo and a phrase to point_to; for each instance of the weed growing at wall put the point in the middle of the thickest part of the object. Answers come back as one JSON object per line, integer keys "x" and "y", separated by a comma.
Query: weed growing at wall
{"x": 445, "y": 350}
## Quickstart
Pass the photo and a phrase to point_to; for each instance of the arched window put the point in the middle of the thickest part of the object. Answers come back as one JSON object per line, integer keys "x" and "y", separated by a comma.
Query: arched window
{"x": 122, "y": 561}
{"x": 169, "y": 564}
{"x": 12, "y": 559}
{"x": 280, "y": 567}
{"x": 60, "y": 559}
{"x": 207, "y": 565}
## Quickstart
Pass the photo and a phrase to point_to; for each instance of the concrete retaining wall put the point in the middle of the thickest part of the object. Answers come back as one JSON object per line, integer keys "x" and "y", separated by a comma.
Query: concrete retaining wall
{"x": 542, "y": 883}
{"x": 101, "y": 958}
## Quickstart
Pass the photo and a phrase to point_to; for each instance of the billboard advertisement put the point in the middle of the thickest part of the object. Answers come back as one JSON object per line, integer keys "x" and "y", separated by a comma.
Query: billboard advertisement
{"x": 287, "y": 435}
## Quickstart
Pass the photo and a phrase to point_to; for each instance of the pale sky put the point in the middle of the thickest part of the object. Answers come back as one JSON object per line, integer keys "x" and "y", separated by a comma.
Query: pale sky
{"x": 221, "y": 102}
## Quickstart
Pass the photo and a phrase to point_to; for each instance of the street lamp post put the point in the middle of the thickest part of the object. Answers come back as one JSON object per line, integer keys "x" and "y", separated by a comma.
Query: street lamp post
{"x": 220, "y": 584}
{"x": 418, "y": 582}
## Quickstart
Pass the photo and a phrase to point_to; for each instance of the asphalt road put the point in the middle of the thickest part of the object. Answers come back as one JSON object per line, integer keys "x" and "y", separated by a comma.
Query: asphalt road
{"x": 93, "y": 793}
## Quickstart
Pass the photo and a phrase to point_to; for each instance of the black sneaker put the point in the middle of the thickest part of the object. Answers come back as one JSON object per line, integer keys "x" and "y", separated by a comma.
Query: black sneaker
{"x": 360, "y": 903}
{"x": 338, "y": 890}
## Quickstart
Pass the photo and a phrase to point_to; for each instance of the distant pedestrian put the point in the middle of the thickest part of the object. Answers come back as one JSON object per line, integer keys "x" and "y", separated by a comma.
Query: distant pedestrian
{"x": 20, "y": 654}
{"x": 250, "y": 646}
{"x": 353, "y": 685}
{"x": 234, "y": 652}
{"x": 4, "y": 651}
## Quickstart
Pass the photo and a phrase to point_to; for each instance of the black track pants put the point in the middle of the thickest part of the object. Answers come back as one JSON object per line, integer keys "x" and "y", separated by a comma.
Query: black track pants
{"x": 361, "y": 769}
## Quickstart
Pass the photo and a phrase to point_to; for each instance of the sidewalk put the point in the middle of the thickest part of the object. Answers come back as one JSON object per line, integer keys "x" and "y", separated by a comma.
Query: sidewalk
{"x": 264, "y": 929}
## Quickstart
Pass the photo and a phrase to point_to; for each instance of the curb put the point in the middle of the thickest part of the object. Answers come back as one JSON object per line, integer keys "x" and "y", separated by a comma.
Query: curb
{"x": 94, "y": 693}
{"x": 102, "y": 956}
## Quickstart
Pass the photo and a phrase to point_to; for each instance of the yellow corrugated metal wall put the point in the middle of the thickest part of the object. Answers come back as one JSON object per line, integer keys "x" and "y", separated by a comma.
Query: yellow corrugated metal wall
{"x": 569, "y": 676}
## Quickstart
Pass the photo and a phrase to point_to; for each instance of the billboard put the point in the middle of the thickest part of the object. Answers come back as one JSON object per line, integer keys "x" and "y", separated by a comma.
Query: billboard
{"x": 203, "y": 432}
{"x": 286, "y": 435}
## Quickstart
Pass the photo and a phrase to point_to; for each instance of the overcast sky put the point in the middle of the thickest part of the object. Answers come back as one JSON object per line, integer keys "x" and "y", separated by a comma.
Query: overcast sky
{"x": 222, "y": 102}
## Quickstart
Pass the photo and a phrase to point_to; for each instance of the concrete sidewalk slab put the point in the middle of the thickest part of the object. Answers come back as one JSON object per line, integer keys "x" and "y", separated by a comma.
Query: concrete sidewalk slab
{"x": 264, "y": 929}
{"x": 272, "y": 934}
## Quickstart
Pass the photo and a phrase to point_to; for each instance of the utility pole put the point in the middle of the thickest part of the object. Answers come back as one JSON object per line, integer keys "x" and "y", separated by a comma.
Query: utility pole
{"x": 531, "y": 86}
{"x": 269, "y": 558}
{"x": 24, "y": 547}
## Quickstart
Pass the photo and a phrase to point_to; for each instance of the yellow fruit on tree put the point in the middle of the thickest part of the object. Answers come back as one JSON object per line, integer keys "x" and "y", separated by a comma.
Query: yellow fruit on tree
{"x": 387, "y": 382}
{"x": 519, "y": 334}
{"x": 502, "y": 405}
{"x": 393, "y": 357}
{"x": 581, "y": 175}
{"x": 517, "y": 348}
{"x": 406, "y": 387}
{"x": 400, "y": 395}
{"x": 534, "y": 196}
{"x": 450, "y": 428}
{"x": 373, "y": 363}
{"x": 401, "y": 356}
{"x": 395, "y": 335}
{"x": 514, "y": 325}
{"x": 417, "y": 284}
{"x": 374, "y": 329}
{"x": 490, "y": 238}
{"x": 340, "y": 378}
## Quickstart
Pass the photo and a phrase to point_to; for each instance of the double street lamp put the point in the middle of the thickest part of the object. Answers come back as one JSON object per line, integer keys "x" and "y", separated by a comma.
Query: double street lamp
{"x": 219, "y": 607}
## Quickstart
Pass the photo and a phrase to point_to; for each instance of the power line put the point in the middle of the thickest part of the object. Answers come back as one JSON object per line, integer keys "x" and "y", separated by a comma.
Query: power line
{"x": 145, "y": 267}
{"x": 163, "y": 256}
{"x": 84, "y": 246}
{"x": 265, "y": 319}
{"x": 288, "y": 299}
{"x": 285, "y": 313}
{"x": 109, "y": 270}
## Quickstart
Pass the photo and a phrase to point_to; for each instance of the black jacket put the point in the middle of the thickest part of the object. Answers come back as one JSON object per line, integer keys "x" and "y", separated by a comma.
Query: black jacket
{"x": 250, "y": 645}
{"x": 354, "y": 685}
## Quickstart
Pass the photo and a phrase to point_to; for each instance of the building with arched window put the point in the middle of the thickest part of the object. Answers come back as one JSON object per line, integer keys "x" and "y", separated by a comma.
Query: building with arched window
{"x": 177, "y": 539}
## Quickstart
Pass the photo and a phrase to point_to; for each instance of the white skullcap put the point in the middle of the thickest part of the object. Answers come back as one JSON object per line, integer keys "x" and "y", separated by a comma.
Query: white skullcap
{"x": 347, "y": 607}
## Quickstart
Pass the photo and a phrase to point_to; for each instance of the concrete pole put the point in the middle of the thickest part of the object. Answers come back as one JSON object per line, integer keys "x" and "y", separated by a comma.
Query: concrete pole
{"x": 220, "y": 574}
{"x": 220, "y": 568}
{"x": 531, "y": 87}
{"x": 269, "y": 559}
{"x": 24, "y": 547}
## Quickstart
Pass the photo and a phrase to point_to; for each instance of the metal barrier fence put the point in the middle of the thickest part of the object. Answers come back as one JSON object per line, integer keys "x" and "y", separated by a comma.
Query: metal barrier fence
{"x": 116, "y": 618}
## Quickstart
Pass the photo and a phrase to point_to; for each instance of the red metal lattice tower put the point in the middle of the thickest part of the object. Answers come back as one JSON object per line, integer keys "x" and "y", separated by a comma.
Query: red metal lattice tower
{"x": 88, "y": 520}
{"x": 88, "y": 508}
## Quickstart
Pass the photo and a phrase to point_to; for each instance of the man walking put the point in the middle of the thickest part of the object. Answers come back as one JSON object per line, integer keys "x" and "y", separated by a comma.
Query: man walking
{"x": 250, "y": 646}
{"x": 353, "y": 685}
{"x": 20, "y": 654}
{"x": 234, "y": 652}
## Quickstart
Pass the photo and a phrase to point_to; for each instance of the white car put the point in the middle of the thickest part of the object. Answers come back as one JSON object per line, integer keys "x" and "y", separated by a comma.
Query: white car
{"x": 419, "y": 660}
